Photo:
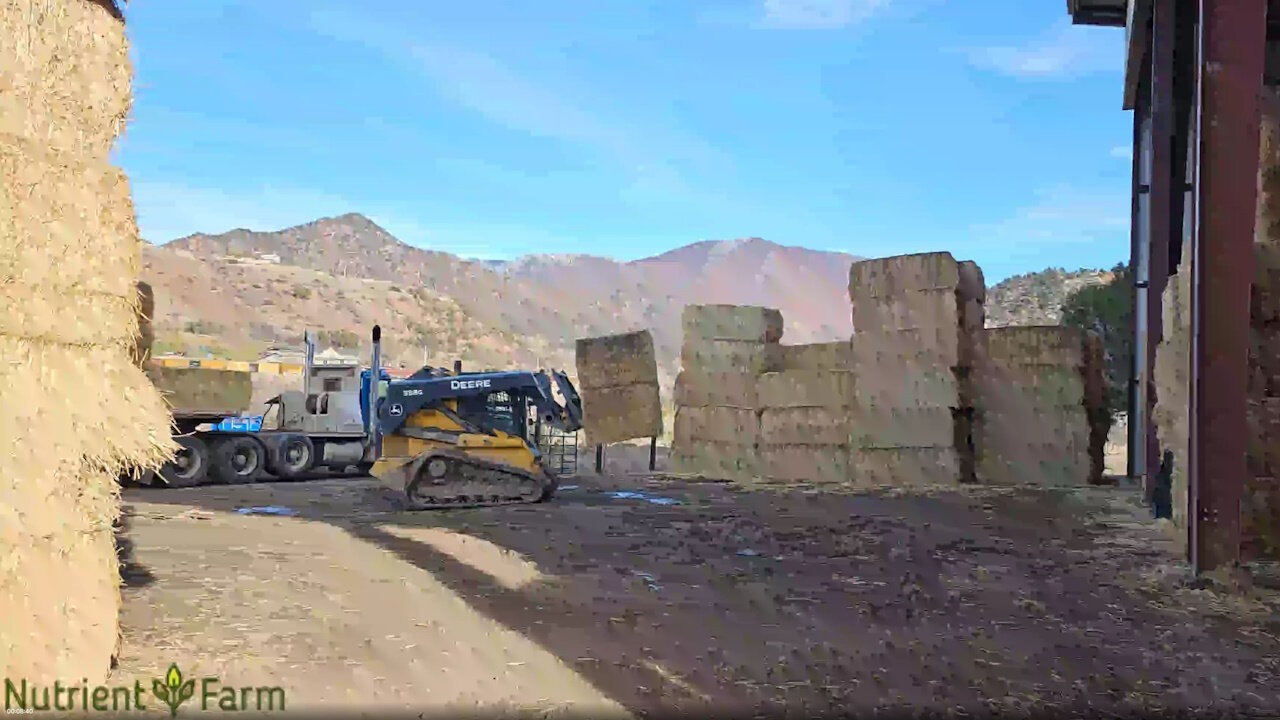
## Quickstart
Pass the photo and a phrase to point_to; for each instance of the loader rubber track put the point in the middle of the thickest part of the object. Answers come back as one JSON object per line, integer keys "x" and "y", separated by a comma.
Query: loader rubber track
{"x": 453, "y": 480}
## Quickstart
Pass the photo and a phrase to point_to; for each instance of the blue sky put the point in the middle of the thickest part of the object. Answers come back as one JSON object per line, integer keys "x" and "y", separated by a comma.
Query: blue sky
{"x": 990, "y": 128}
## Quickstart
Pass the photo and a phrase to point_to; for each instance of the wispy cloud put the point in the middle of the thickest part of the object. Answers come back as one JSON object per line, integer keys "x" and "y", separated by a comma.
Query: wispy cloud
{"x": 1122, "y": 152}
{"x": 1060, "y": 216}
{"x": 818, "y": 14}
{"x": 1065, "y": 51}
{"x": 486, "y": 86}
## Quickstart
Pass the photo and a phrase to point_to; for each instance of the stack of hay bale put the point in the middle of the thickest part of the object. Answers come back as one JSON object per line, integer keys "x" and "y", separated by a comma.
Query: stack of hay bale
{"x": 75, "y": 411}
{"x": 1040, "y": 415}
{"x": 804, "y": 419}
{"x": 618, "y": 380}
{"x": 1260, "y": 504}
{"x": 1172, "y": 380}
{"x": 1260, "y": 520}
{"x": 717, "y": 424}
{"x": 917, "y": 322}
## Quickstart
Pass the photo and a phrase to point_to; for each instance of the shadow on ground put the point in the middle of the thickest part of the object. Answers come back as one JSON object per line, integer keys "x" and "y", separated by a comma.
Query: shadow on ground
{"x": 697, "y": 595}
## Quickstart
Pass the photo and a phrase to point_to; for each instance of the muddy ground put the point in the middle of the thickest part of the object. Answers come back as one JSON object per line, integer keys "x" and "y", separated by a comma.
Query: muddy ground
{"x": 693, "y": 596}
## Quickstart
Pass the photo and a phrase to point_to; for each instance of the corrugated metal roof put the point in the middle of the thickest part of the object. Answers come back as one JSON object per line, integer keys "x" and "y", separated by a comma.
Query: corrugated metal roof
{"x": 1108, "y": 13}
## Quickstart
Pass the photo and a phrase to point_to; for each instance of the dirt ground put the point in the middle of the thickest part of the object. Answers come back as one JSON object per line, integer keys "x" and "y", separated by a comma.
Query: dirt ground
{"x": 688, "y": 596}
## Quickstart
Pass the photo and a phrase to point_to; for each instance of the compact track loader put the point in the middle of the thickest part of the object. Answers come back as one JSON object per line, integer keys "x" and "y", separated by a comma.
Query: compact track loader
{"x": 448, "y": 439}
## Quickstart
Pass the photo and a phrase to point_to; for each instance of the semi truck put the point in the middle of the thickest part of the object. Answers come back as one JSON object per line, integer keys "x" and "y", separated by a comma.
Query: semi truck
{"x": 322, "y": 425}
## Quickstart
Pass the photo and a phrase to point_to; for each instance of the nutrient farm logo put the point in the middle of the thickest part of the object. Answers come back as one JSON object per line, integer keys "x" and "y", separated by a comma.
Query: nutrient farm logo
{"x": 170, "y": 692}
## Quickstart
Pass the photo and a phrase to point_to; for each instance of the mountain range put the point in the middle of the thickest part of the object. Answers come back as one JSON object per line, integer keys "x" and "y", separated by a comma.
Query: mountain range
{"x": 240, "y": 292}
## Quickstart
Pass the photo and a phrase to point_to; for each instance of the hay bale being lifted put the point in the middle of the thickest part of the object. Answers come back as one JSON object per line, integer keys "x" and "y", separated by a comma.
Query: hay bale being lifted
{"x": 75, "y": 412}
{"x": 618, "y": 380}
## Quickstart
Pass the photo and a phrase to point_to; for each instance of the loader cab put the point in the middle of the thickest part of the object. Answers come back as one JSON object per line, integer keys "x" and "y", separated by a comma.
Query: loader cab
{"x": 506, "y": 411}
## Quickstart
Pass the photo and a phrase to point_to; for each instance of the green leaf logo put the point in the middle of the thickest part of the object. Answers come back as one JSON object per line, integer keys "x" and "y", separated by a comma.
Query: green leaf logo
{"x": 172, "y": 691}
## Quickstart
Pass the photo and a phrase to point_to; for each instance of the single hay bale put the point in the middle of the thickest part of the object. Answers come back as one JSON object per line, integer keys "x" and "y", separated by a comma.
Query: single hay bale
{"x": 804, "y": 426}
{"x": 203, "y": 390}
{"x": 973, "y": 284}
{"x": 695, "y": 425}
{"x": 616, "y": 360}
{"x": 892, "y": 276}
{"x": 874, "y": 428}
{"x": 742, "y": 323}
{"x": 626, "y": 412}
{"x": 1264, "y": 360}
{"x": 728, "y": 461}
{"x": 939, "y": 348}
{"x": 730, "y": 388}
{"x": 1036, "y": 345}
{"x": 1264, "y": 298}
{"x": 82, "y": 211}
{"x": 930, "y": 310}
{"x": 1264, "y": 437}
{"x": 886, "y": 380}
{"x": 1048, "y": 464}
{"x": 66, "y": 74}
{"x": 912, "y": 467}
{"x": 1260, "y": 519}
{"x": 1043, "y": 386}
{"x": 805, "y": 463}
{"x": 67, "y": 319}
{"x": 81, "y": 406}
{"x": 806, "y": 388}
{"x": 68, "y": 499}
{"x": 65, "y": 625}
{"x": 709, "y": 356}
{"x": 818, "y": 356}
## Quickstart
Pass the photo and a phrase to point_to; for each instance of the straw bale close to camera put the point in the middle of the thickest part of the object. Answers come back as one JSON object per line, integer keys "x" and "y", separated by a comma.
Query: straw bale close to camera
{"x": 65, "y": 70}
{"x": 75, "y": 412}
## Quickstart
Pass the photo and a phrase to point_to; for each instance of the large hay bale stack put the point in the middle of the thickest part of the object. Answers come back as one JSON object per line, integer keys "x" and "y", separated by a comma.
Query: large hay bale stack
{"x": 1260, "y": 507}
{"x": 717, "y": 423}
{"x": 618, "y": 380}
{"x": 75, "y": 411}
{"x": 1040, "y": 415}
{"x": 917, "y": 330}
{"x": 1172, "y": 379}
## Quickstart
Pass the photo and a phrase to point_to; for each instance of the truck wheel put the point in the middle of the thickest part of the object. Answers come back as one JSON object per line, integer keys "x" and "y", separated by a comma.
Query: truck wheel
{"x": 364, "y": 467}
{"x": 189, "y": 465}
{"x": 237, "y": 460}
{"x": 292, "y": 455}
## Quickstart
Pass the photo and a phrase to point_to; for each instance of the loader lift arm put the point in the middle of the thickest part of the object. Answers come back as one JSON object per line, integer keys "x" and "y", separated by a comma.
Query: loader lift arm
{"x": 425, "y": 389}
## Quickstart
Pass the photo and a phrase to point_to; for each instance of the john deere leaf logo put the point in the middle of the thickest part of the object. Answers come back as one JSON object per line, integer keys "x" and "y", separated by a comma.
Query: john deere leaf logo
{"x": 173, "y": 691}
